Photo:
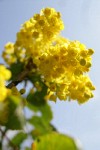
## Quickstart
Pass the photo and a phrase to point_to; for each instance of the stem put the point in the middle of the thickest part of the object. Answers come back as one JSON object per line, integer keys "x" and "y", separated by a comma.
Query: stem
{"x": 5, "y": 136}
{"x": 23, "y": 74}
{"x": 18, "y": 79}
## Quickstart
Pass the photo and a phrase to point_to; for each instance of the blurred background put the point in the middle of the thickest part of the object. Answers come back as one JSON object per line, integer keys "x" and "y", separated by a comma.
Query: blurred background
{"x": 82, "y": 22}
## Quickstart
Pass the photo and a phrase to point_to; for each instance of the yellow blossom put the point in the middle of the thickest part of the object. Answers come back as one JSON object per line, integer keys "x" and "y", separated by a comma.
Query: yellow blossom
{"x": 5, "y": 74}
{"x": 8, "y": 53}
{"x": 81, "y": 88}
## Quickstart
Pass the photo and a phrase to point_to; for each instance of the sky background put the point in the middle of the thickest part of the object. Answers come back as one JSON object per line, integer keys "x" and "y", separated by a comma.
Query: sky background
{"x": 82, "y": 22}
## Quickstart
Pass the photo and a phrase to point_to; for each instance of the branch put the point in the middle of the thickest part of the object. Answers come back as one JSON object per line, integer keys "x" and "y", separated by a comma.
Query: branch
{"x": 18, "y": 79}
{"x": 10, "y": 143}
{"x": 30, "y": 65}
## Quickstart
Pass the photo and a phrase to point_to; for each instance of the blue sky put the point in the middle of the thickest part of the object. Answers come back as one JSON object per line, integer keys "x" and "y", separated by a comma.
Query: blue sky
{"x": 82, "y": 22}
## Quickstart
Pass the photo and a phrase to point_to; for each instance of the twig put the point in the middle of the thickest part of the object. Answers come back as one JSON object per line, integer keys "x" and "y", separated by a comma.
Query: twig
{"x": 22, "y": 76}
{"x": 18, "y": 79}
{"x": 4, "y": 135}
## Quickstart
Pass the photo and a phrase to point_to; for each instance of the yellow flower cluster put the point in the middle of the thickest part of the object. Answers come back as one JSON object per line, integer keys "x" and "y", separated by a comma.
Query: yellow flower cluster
{"x": 62, "y": 63}
{"x": 34, "y": 36}
{"x": 64, "y": 66}
{"x": 8, "y": 53}
{"x": 5, "y": 74}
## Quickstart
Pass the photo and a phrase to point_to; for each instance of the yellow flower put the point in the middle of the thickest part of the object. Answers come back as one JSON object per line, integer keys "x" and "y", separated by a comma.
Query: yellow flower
{"x": 5, "y": 74}
{"x": 81, "y": 88}
{"x": 8, "y": 53}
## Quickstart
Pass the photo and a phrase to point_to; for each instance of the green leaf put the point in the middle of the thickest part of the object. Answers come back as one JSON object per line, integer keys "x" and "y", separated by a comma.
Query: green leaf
{"x": 40, "y": 126}
{"x": 27, "y": 148}
{"x": 15, "y": 118}
{"x": 15, "y": 69}
{"x": 41, "y": 121}
{"x": 46, "y": 113}
{"x": 32, "y": 107}
{"x": 43, "y": 113}
{"x": 3, "y": 112}
{"x": 44, "y": 110}
{"x": 35, "y": 77}
{"x": 55, "y": 141}
{"x": 37, "y": 98}
{"x": 19, "y": 138}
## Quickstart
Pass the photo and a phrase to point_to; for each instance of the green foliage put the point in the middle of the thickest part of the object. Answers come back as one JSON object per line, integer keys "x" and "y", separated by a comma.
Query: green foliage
{"x": 15, "y": 69}
{"x": 19, "y": 138}
{"x": 3, "y": 112}
{"x": 54, "y": 141}
{"x": 42, "y": 132}
{"x": 15, "y": 118}
{"x": 41, "y": 127}
{"x": 37, "y": 98}
{"x": 44, "y": 110}
{"x": 41, "y": 119}
{"x": 27, "y": 148}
